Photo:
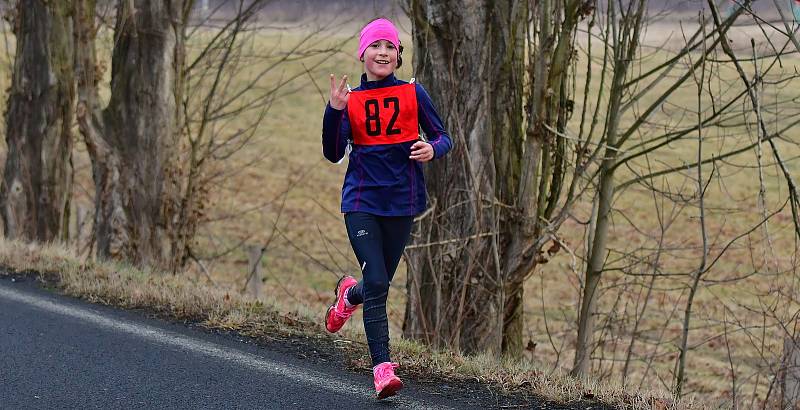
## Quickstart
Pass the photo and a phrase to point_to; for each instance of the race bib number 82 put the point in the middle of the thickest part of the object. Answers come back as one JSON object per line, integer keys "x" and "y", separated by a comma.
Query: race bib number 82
{"x": 384, "y": 115}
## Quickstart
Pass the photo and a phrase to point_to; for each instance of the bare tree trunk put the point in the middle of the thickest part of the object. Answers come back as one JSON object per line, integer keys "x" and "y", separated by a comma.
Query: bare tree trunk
{"x": 509, "y": 36}
{"x": 133, "y": 141}
{"x": 625, "y": 50}
{"x": 680, "y": 378}
{"x": 513, "y": 322}
{"x": 460, "y": 304}
{"x": 37, "y": 183}
{"x": 594, "y": 268}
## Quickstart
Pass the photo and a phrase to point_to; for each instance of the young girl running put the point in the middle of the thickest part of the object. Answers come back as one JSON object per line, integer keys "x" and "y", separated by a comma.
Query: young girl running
{"x": 384, "y": 187}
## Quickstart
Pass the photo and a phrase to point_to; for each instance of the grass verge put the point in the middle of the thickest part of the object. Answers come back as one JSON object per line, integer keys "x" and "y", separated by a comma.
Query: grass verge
{"x": 175, "y": 298}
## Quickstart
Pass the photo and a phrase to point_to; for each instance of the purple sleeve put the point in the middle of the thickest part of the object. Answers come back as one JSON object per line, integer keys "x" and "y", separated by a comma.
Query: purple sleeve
{"x": 335, "y": 133}
{"x": 432, "y": 124}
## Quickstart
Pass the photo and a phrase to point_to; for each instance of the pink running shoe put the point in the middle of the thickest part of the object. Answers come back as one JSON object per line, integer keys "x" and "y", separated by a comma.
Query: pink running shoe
{"x": 338, "y": 312}
{"x": 386, "y": 383}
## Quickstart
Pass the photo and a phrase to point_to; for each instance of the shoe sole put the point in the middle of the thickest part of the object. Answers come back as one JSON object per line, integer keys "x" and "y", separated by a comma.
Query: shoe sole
{"x": 390, "y": 389}
{"x": 325, "y": 319}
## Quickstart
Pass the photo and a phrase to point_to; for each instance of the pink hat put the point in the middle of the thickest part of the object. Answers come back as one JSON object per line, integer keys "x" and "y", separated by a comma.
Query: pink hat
{"x": 380, "y": 29}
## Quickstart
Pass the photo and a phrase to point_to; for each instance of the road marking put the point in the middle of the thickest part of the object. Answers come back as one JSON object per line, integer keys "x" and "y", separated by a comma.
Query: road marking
{"x": 152, "y": 334}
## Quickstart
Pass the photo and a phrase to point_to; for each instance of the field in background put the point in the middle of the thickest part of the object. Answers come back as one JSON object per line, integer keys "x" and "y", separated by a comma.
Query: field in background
{"x": 292, "y": 196}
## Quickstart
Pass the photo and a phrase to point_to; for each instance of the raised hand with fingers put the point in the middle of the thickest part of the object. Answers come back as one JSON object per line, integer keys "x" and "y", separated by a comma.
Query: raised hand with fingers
{"x": 340, "y": 94}
{"x": 421, "y": 151}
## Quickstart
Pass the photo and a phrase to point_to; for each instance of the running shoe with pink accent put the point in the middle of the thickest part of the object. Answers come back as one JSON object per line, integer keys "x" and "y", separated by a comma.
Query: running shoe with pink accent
{"x": 338, "y": 312}
{"x": 386, "y": 383}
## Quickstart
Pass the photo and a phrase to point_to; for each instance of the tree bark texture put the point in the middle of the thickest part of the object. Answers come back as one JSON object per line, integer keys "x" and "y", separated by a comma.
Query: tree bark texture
{"x": 133, "y": 142}
{"x": 37, "y": 183}
{"x": 483, "y": 236}
{"x": 455, "y": 289}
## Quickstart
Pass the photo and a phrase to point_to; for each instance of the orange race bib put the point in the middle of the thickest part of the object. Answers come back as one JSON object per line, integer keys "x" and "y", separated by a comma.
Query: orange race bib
{"x": 385, "y": 115}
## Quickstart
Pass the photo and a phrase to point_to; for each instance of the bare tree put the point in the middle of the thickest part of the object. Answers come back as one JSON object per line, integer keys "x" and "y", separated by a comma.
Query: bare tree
{"x": 503, "y": 191}
{"x": 36, "y": 188}
{"x": 786, "y": 372}
{"x": 699, "y": 80}
{"x": 223, "y": 92}
{"x": 726, "y": 114}
{"x": 133, "y": 141}
{"x": 624, "y": 35}
{"x": 232, "y": 80}
{"x": 626, "y": 92}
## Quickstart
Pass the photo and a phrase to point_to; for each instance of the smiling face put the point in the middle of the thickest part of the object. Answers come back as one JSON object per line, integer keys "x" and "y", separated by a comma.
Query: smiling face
{"x": 380, "y": 60}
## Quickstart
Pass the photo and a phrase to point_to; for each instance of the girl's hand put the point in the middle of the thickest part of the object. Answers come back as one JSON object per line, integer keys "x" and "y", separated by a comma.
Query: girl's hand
{"x": 340, "y": 94}
{"x": 421, "y": 151}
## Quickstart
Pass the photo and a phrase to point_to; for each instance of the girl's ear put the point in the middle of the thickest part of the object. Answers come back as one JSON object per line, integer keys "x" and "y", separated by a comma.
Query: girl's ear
{"x": 399, "y": 56}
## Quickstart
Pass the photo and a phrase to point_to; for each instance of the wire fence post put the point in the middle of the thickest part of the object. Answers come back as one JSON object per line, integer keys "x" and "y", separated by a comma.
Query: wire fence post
{"x": 254, "y": 277}
{"x": 789, "y": 374}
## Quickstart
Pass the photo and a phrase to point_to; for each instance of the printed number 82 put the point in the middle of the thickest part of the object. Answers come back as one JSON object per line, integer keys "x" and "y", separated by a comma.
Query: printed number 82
{"x": 374, "y": 118}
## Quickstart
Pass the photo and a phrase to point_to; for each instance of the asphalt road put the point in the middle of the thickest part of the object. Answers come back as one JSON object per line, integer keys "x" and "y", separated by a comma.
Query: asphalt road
{"x": 59, "y": 352}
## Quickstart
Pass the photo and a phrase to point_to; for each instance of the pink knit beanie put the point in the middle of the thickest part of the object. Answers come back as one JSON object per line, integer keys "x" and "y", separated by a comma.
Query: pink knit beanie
{"x": 380, "y": 29}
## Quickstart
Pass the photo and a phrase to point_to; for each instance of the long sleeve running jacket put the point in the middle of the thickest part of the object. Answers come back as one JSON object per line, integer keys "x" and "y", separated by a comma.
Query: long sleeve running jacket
{"x": 380, "y": 178}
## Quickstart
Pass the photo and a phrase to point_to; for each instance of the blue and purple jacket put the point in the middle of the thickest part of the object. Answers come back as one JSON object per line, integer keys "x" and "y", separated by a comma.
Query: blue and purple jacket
{"x": 380, "y": 178}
